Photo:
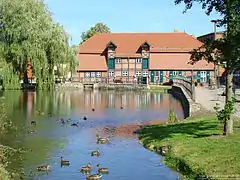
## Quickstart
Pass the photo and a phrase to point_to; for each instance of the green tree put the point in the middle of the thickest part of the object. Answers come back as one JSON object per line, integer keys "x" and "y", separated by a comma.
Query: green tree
{"x": 29, "y": 33}
{"x": 97, "y": 28}
{"x": 226, "y": 49}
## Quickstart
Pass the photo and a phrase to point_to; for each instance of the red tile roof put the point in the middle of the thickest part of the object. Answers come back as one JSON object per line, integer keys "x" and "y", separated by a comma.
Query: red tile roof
{"x": 91, "y": 62}
{"x": 176, "y": 61}
{"x": 129, "y": 43}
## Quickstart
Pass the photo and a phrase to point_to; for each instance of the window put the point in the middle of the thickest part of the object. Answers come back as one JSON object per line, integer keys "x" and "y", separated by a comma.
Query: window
{"x": 111, "y": 63}
{"x": 98, "y": 74}
{"x": 175, "y": 73}
{"x": 124, "y": 73}
{"x": 111, "y": 73}
{"x": 203, "y": 76}
{"x": 87, "y": 74}
{"x": 92, "y": 74}
{"x": 138, "y": 73}
{"x": 145, "y": 73}
{"x": 145, "y": 63}
{"x": 139, "y": 60}
{"x": 118, "y": 60}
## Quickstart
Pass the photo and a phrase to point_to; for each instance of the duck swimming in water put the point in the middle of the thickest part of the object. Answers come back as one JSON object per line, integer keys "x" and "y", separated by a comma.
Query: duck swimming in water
{"x": 44, "y": 168}
{"x": 94, "y": 176}
{"x": 96, "y": 153}
{"x": 102, "y": 140}
{"x": 86, "y": 169}
{"x": 102, "y": 170}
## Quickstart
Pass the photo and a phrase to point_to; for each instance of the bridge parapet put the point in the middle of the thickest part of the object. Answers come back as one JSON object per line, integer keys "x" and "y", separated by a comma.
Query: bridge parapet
{"x": 186, "y": 85}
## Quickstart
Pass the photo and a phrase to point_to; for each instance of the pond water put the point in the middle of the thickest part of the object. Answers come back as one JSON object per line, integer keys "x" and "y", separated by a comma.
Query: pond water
{"x": 124, "y": 156}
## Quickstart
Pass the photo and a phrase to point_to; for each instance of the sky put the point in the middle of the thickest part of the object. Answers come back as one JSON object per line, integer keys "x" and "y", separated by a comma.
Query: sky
{"x": 78, "y": 16}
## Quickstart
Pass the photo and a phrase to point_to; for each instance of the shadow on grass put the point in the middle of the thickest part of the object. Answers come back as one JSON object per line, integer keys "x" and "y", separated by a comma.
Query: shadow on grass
{"x": 200, "y": 128}
{"x": 182, "y": 167}
{"x": 196, "y": 129}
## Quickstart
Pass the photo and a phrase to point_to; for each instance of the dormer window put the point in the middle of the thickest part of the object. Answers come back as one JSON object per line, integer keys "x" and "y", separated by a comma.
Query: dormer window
{"x": 145, "y": 46}
{"x": 111, "y": 45}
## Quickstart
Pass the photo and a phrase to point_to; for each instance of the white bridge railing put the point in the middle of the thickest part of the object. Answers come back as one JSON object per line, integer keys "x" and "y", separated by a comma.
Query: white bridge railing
{"x": 187, "y": 85}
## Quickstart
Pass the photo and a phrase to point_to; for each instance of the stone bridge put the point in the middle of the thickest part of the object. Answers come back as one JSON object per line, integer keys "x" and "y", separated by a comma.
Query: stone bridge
{"x": 184, "y": 90}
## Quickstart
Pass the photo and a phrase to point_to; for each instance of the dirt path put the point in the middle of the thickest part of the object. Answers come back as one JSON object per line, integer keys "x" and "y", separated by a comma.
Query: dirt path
{"x": 208, "y": 98}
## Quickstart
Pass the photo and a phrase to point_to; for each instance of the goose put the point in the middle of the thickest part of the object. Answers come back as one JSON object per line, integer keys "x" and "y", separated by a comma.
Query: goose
{"x": 64, "y": 162}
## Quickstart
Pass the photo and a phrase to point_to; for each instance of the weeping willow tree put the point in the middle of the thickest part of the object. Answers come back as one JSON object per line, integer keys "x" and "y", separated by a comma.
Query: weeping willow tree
{"x": 28, "y": 33}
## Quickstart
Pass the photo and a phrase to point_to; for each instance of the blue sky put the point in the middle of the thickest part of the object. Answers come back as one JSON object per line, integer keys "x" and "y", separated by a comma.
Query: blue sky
{"x": 78, "y": 16}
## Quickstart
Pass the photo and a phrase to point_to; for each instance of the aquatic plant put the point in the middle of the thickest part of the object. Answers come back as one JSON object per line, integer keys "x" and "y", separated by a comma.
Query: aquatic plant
{"x": 172, "y": 117}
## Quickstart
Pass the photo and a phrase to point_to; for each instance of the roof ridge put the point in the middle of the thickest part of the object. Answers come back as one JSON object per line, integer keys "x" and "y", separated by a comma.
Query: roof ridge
{"x": 145, "y": 33}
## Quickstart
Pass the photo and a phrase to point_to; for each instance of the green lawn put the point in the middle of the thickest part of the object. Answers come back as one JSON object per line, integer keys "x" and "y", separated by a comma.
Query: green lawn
{"x": 197, "y": 147}
{"x": 159, "y": 88}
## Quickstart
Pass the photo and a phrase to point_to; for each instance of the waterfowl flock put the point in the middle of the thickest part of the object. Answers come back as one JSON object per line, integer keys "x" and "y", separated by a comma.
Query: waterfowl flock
{"x": 63, "y": 162}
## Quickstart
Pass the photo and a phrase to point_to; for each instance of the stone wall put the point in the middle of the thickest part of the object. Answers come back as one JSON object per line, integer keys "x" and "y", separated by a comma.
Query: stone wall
{"x": 189, "y": 107}
{"x": 69, "y": 86}
{"x": 120, "y": 86}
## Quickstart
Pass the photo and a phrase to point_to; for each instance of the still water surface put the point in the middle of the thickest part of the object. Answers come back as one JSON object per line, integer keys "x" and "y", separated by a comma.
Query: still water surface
{"x": 125, "y": 158}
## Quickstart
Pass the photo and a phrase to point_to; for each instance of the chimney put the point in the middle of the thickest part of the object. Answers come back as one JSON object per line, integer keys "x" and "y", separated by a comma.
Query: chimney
{"x": 175, "y": 30}
{"x": 194, "y": 36}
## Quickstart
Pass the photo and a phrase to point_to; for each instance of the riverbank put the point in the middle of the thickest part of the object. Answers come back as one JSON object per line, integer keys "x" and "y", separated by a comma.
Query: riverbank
{"x": 197, "y": 148}
{"x": 4, "y": 125}
{"x": 3, "y": 174}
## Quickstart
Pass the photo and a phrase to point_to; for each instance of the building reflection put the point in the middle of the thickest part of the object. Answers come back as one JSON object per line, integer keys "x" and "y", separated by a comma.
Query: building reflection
{"x": 129, "y": 100}
{"x": 65, "y": 101}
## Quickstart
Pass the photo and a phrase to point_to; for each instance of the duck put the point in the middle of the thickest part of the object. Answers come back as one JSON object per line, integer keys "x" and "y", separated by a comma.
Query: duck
{"x": 102, "y": 170}
{"x": 86, "y": 168}
{"x": 44, "y": 168}
{"x": 84, "y": 118}
{"x": 93, "y": 109}
{"x": 74, "y": 124}
{"x": 62, "y": 121}
{"x": 33, "y": 123}
{"x": 121, "y": 107}
{"x": 68, "y": 120}
{"x": 94, "y": 176}
{"x": 102, "y": 140}
{"x": 31, "y": 132}
{"x": 49, "y": 115}
{"x": 95, "y": 153}
{"x": 64, "y": 162}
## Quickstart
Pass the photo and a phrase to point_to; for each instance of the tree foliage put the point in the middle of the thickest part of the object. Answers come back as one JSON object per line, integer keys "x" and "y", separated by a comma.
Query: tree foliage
{"x": 97, "y": 28}
{"x": 27, "y": 32}
{"x": 222, "y": 50}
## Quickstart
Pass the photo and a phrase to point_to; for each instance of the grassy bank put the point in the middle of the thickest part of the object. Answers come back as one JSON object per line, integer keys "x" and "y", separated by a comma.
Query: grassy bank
{"x": 3, "y": 174}
{"x": 197, "y": 147}
{"x": 5, "y": 124}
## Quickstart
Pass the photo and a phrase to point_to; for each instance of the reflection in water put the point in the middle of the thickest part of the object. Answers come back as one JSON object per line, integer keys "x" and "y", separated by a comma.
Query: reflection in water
{"x": 53, "y": 140}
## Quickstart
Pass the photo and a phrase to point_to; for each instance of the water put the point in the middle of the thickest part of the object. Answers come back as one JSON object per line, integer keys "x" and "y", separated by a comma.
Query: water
{"x": 124, "y": 156}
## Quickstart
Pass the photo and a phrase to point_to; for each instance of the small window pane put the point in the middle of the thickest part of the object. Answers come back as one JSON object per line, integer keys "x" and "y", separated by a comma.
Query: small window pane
{"x": 87, "y": 74}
